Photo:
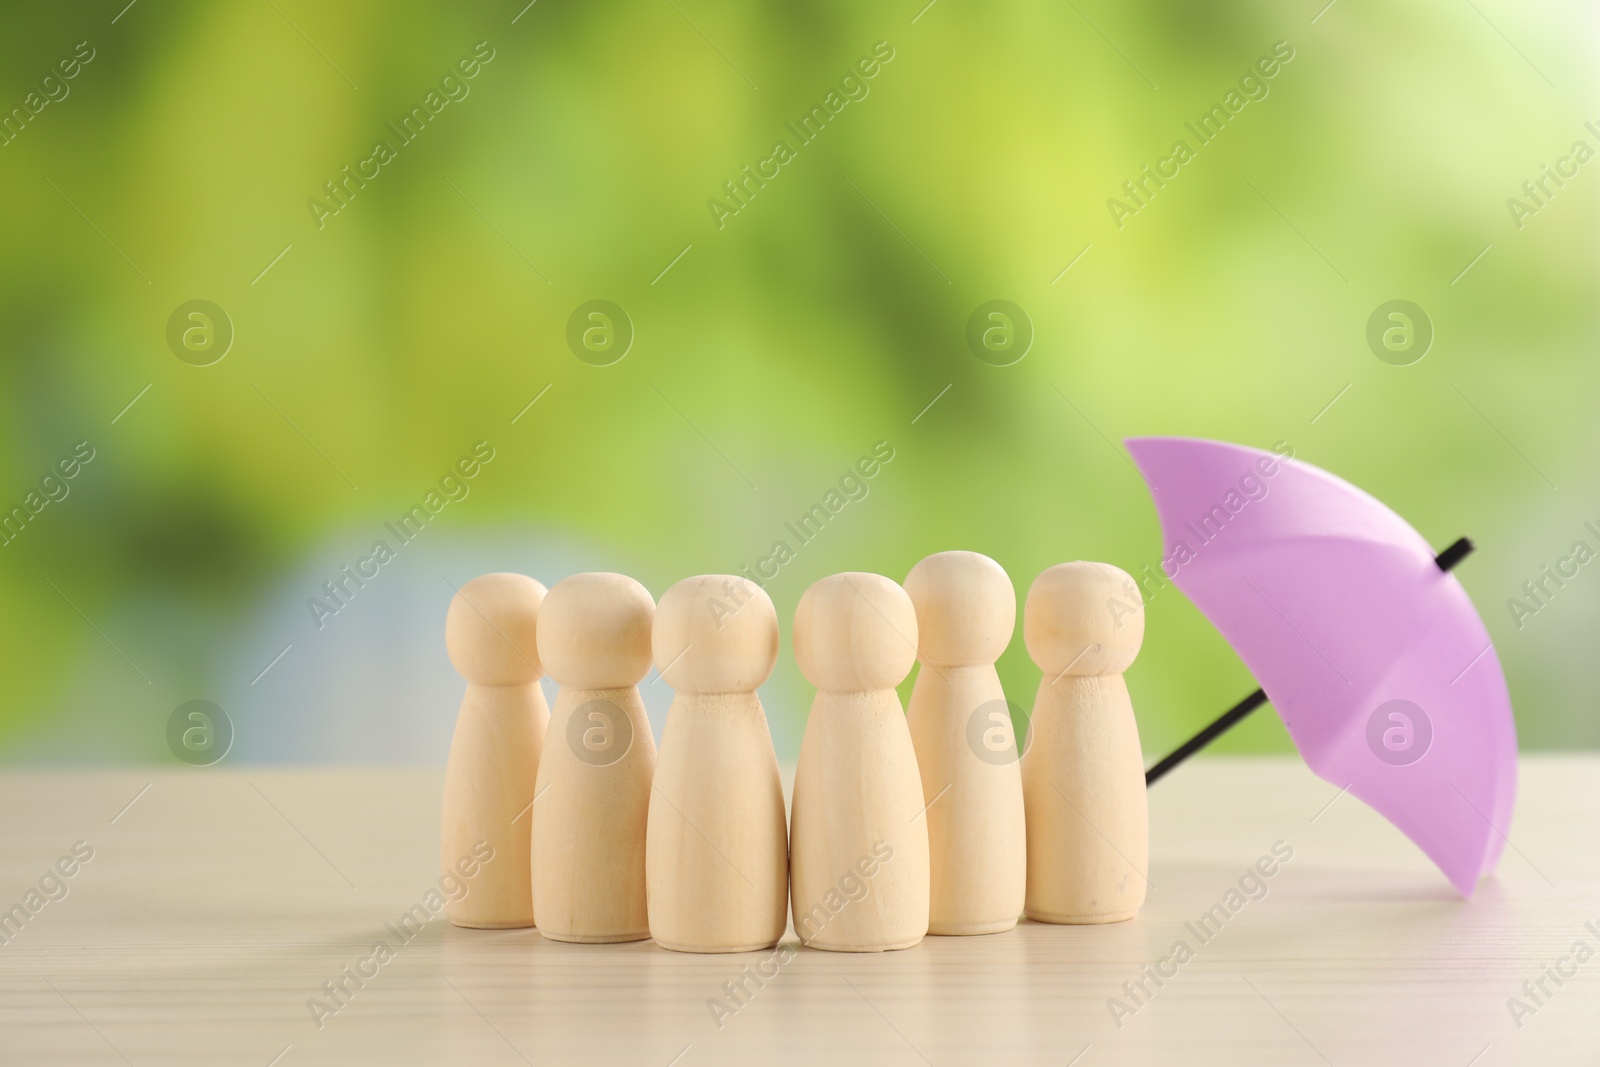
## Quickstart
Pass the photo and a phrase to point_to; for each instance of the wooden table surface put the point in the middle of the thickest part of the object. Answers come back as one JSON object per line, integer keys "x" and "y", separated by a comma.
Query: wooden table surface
{"x": 220, "y": 900}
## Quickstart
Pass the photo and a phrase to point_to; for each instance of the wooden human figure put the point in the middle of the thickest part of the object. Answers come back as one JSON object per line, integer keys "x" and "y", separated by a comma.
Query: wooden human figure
{"x": 490, "y": 634}
{"x": 716, "y": 858}
{"x": 858, "y": 844}
{"x": 966, "y": 747}
{"x": 1083, "y": 773}
{"x": 595, "y": 771}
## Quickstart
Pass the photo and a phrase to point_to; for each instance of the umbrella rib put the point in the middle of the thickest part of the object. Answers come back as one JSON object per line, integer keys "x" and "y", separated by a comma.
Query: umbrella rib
{"x": 1503, "y": 837}
{"x": 1297, "y": 630}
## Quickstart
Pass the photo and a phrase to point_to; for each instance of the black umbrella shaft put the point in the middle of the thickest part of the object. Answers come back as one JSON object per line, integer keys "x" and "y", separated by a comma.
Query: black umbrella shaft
{"x": 1445, "y": 561}
{"x": 1460, "y": 550}
{"x": 1206, "y": 736}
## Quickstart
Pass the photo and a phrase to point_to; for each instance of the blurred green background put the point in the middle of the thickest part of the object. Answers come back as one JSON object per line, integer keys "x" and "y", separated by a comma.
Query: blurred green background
{"x": 769, "y": 353}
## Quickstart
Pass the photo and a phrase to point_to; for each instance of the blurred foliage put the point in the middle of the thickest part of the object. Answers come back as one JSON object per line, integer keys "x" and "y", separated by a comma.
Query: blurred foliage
{"x": 778, "y": 348}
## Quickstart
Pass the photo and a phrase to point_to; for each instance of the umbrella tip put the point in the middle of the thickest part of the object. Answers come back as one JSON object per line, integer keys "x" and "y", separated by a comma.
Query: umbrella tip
{"x": 1460, "y": 550}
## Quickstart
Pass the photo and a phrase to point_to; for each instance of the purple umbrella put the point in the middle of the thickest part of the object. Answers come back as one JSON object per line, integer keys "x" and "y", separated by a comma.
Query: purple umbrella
{"x": 1370, "y": 651}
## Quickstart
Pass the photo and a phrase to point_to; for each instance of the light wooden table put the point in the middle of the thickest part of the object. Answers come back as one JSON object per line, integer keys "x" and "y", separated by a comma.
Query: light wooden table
{"x": 222, "y": 899}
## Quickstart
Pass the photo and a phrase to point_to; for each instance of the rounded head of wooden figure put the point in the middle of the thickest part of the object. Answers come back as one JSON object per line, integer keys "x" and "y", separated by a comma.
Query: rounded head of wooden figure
{"x": 594, "y": 631}
{"x": 855, "y": 632}
{"x": 715, "y": 633}
{"x": 491, "y": 629}
{"x": 1083, "y": 619}
{"x": 966, "y": 609}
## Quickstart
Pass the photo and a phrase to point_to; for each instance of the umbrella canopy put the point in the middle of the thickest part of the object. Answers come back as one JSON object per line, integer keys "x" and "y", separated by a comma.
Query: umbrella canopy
{"x": 1375, "y": 658}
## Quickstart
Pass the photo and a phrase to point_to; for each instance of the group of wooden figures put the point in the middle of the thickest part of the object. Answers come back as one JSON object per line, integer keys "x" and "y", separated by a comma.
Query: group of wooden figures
{"x": 904, "y": 822}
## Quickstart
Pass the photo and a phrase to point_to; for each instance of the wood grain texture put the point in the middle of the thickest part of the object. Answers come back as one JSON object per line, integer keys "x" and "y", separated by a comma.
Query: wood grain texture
{"x": 224, "y": 898}
{"x": 595, "y": 769}
{"x": 966, "y": 744}
{"x": 858, "y": 841}
{"x": 717, "y": 847}
{"x": 1083, "y": 775}
{"x": 489, "y": 787}
{"x": 491, "y": 635}
{"x": 589, "y": 817}
{"x": 858, "y": 844}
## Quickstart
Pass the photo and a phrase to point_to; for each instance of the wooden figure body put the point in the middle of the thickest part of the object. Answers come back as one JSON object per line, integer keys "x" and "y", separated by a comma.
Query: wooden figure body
{"x": 1083, "y": 772}
{"x": 858, "y": 846}
{"x": 966, "y": 746}
{"x": 595, "y": 770}
{"x": 490, "y": 634}
{"x": 716, "y": 859}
